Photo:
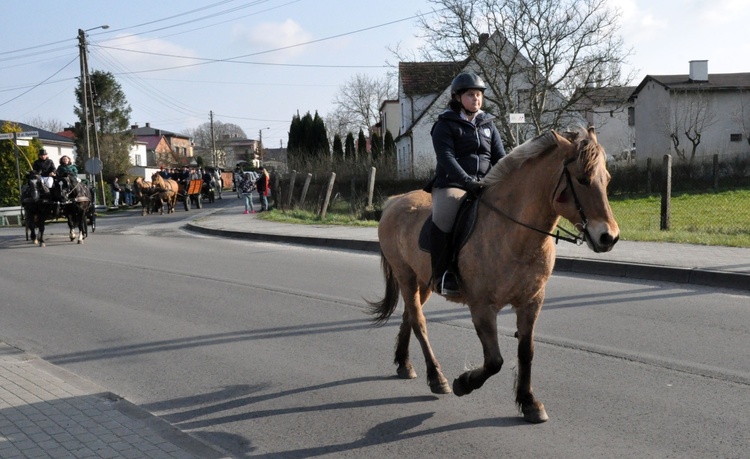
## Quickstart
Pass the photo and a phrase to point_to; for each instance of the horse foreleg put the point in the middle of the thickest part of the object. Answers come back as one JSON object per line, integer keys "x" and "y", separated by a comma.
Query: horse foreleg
{"x": 485, "y": 323}
{"x": 413, "y": 312}
{"x": 526, "y": 315}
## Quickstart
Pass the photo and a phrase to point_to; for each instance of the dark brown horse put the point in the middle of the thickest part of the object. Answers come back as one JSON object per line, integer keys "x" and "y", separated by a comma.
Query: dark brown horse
{"x": 76, "y": 197}
{"x": 37, "y": 208}
{"x": 508, "y": 258}
{"x": 143, "y": 191}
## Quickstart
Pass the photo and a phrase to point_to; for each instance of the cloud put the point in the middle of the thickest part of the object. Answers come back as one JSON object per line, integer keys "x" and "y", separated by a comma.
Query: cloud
{"x": 134, "y": 53}
{"x": 274, "y": 35}
{"x": 722, "y": 12}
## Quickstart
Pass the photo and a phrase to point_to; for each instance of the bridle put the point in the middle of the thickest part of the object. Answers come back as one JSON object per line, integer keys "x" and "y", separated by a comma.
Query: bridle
{"x": 577, "y": 239}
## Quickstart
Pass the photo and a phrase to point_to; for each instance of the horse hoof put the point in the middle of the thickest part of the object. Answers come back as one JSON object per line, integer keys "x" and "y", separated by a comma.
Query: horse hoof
{"x": 535, "y": 414}
{"x": 461, "y": 386}
{"x": 406, "y": 372}
{"x": 440, "y": 388}
{"x": 43, "y": 244}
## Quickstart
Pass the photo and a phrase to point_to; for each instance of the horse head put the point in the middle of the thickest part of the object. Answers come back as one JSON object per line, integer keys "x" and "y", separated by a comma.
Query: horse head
{"x": 31, "y": 190}
{"x": 581, "y": 192}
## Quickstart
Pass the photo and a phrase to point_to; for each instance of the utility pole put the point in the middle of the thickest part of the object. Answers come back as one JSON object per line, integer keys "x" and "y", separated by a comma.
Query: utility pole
{"x": 260, "y": 142}
{"x": 213, "y": 142}
{"x": 88, "y": 96}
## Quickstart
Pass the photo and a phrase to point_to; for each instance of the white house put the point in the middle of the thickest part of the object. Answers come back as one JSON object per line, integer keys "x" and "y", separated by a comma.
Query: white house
{"x": 714, "y": 109}
{"x": 424, "y": 92}
{"x": 55, "y": 145}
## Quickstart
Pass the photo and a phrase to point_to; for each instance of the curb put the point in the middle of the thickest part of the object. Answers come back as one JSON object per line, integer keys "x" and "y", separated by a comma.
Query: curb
{"x": 660, "y": 273}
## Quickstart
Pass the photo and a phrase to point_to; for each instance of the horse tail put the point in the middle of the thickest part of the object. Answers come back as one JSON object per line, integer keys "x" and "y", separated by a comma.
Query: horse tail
{"x": 383, "y": 309}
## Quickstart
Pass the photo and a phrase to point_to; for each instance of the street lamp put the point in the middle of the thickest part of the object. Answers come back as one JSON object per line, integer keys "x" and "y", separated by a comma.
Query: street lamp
{"x": 88, "y": 94}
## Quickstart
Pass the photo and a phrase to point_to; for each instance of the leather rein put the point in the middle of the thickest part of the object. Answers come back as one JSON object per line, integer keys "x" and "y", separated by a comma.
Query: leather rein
{"x": 577, "y": 239}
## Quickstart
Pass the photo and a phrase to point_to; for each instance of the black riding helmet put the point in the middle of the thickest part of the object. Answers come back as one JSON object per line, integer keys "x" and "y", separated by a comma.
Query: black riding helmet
{"x": 465, "y": 81}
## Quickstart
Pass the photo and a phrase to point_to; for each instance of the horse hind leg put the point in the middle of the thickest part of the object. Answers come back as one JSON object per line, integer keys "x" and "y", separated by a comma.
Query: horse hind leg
{"x": 413, "y": 301}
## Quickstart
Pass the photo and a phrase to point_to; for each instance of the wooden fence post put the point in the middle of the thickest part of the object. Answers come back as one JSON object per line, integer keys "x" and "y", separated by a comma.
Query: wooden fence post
{"x": 292, "y": 178}
{"x": 666, "y": 194}
{"x": 716, "y": 171}
{"x": 370, "y": 187}
{"x": 327, "y": 199}
{"x": 304, "y": 190}
{"x": 276, "y": 191}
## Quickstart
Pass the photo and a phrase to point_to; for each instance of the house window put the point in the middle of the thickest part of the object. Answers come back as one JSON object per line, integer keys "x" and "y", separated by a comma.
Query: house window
{"x": 137, "y": 160}
{"x": 735, "y": 137}
{"x": 631, "y": 116}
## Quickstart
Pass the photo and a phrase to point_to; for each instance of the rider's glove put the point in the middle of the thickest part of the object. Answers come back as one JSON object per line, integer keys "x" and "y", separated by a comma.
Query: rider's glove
{"x": 472, "y": 186}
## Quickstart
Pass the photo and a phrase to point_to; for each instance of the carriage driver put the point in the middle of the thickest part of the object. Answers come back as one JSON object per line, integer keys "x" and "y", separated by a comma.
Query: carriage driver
{"x": 467, "y": 144}
{"x": 46, "y": 168}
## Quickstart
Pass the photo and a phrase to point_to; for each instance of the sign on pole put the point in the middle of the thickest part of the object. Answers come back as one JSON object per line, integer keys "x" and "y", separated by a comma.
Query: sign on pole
{"x": 7, "y": 135}
{"x": 517, "y": 118}
{"x": 28, "y": 134}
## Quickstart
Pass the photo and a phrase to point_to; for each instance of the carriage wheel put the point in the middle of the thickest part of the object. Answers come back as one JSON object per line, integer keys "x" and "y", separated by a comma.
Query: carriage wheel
{"x": 200, "y": 202}
{"x": 187, "y": 202}
{"x": 92, "y": 222}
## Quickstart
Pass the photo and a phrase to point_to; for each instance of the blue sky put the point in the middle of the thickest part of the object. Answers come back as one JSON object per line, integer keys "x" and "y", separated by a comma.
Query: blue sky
{"x": 296, "y": 53}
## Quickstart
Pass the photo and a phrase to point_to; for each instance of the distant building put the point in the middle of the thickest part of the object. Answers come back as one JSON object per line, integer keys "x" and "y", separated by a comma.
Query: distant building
{"x": 55, "y": 145}
{"x": 164, "y": 148}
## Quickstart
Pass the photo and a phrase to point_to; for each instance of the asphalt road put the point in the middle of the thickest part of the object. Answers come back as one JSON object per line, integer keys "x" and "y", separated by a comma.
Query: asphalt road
{"x": 266, "y": 351}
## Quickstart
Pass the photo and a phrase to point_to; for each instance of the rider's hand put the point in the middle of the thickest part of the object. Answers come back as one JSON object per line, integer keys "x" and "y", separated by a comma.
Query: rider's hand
{"x": 472, "y": 186}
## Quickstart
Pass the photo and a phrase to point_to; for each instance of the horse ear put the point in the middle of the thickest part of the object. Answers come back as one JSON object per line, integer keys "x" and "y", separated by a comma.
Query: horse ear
{"x": 566, "y": 137}
{"x": 592, "y": 134}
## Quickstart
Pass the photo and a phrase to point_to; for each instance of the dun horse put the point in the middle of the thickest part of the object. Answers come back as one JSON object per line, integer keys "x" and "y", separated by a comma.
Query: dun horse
{"x": 166, "y": 192}
{"x": 508, "y": 258}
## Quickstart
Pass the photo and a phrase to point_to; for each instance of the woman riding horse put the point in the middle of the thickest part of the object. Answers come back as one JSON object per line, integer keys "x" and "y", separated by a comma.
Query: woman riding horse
{"x": 507, "y": 259}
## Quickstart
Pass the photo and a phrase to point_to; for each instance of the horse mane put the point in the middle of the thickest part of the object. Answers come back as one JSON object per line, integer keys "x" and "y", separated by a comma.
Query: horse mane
{"x": 532, "y": 148}
{"x": 589, "y": 153}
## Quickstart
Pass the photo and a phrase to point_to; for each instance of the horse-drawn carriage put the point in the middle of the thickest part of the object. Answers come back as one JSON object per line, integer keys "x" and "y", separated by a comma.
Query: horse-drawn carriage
{"x": 69, "y": 198}
{"x": 191, "y": 193}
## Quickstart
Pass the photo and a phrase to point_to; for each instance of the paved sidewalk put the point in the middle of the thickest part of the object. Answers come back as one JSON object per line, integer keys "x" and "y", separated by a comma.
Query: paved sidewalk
{"x": 713, "y": 266}
{"x": 47, "y": 412}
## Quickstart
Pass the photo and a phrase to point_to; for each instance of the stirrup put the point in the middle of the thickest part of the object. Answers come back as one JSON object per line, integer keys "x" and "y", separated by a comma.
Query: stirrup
{"x": 447, "y": 285}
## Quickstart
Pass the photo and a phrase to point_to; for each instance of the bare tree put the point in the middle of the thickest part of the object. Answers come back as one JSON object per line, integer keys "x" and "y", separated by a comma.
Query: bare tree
{"x": 222, "y": 134}
{"x": 690, "y": 114}
{"x": 358, "y": 101}
{"x": 742, "y": 115}
{"x": 51, "y": 125}
{"x": 536, "y": 56}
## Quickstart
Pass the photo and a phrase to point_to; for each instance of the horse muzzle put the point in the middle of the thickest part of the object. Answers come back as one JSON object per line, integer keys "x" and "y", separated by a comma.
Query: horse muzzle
{"x": 600, "y": 238}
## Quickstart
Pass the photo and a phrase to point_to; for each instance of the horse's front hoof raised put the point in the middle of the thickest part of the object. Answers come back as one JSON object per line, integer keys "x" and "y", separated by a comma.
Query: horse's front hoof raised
{"x": 461, "y": 385}
{"x": 535, "y": 413}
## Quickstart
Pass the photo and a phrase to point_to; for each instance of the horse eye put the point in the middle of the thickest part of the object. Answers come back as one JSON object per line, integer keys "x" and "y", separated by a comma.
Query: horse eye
{"x": 585, "y": 181}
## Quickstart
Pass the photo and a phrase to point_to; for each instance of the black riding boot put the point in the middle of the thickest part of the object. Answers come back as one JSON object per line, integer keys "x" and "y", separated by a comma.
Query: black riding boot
{"x": 444, "y": 278}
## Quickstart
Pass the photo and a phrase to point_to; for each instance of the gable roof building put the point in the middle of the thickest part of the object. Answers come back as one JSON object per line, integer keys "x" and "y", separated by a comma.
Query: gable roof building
{"x": 164, "y": 147}
{"x": 716, "y": 107}
{"x": 54, "y": 144}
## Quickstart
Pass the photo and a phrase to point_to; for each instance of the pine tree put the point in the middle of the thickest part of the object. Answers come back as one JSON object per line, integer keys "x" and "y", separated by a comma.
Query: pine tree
{"x": 376, "y": 146}
{"x": 338, "y": 149}
{"x": 111, "y": 116}
{"x": 362, "y": 148}
{"x": 350, "y": 153}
